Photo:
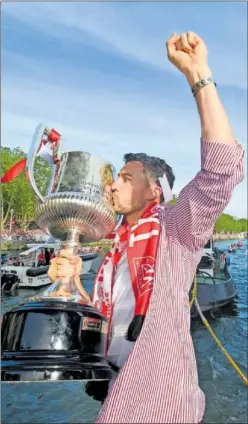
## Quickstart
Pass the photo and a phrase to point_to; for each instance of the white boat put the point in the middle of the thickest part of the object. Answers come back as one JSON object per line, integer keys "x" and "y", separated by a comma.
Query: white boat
{"x": 29, "y": 274}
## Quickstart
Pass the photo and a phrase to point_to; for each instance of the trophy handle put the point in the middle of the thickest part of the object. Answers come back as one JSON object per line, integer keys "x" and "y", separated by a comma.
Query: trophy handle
{"x": 45, "y": 143}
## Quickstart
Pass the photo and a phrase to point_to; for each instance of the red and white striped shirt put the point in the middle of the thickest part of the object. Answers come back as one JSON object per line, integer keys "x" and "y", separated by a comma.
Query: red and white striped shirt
{"x": 159, "y": 382}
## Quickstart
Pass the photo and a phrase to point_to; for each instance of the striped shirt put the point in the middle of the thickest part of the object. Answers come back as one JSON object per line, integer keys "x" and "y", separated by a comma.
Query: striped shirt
{"x": 159, "y": 382}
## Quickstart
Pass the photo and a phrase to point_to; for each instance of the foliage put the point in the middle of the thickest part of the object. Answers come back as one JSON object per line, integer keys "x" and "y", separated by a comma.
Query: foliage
{"x": 227, "y": 223}
{"x": 103, "y": 243}
{"x": 8, "y": 246}
{"x": 174, "y": 200}
{"x": 18, "y": 194}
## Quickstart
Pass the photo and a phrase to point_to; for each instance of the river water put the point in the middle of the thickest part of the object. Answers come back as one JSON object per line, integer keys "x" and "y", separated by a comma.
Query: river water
{"x": 226, "y": 395}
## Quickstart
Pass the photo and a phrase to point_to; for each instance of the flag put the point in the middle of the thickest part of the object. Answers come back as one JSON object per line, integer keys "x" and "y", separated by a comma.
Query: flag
{"x": 14, "y": 171}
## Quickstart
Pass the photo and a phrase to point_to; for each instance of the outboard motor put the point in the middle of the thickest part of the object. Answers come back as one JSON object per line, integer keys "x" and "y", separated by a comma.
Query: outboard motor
{"x": 54, "y": 340}
{"x": 9, "y": 282}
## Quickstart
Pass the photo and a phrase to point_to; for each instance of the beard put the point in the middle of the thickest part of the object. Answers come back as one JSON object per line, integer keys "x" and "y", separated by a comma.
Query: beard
{"x": 127, "y": 207}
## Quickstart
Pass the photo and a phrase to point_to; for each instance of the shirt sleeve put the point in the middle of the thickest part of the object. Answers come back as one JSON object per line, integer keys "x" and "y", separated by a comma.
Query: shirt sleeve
{"x": 191, "y": 221}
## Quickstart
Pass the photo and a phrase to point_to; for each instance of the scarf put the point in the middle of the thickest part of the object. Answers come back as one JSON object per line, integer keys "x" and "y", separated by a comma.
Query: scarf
{"x": 141, "y": 242}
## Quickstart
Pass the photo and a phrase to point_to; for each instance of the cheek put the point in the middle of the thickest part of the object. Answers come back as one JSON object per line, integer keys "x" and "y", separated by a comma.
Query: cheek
{"x": 136, "y": 197}
{"x": 126, "y": 194}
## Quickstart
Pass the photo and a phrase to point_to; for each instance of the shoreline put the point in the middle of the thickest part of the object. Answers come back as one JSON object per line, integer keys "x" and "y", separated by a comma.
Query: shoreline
{"x": 20, "y": 245}
{"x": 229, "y": 236}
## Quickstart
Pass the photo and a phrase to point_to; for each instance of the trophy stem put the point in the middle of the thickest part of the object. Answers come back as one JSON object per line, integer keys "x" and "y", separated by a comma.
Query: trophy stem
{"x": 71, "y": 244}
{"x": 70, "y": 286}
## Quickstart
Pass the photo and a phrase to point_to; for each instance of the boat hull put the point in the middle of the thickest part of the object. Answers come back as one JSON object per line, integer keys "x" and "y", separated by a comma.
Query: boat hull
{"x": 212, "y": 296}
{"x": 36, "y": 281}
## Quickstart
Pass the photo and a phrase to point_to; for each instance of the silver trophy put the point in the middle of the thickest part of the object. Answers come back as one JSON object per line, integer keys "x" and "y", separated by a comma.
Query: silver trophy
{"x": 78, "y": 206}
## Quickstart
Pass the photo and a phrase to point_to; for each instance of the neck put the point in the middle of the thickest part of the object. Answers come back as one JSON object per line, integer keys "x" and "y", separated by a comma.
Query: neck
{"x": 133, "y": 217}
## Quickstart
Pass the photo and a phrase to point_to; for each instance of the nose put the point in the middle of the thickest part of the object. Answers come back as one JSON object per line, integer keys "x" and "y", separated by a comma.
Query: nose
{"x": 114, "y": 185}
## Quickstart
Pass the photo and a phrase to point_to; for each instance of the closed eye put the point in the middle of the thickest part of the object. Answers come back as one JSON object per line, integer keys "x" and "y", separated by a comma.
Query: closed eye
{"x": 125, "y": 176}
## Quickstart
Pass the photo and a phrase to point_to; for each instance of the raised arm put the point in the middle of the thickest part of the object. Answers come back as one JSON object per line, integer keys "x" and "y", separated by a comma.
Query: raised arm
{"x": 192, "y": 219}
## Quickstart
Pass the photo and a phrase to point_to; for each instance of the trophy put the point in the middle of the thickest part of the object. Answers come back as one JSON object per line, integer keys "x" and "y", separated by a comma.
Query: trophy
{"x": 63, "y": 338}
{"x": 78, "y": 206}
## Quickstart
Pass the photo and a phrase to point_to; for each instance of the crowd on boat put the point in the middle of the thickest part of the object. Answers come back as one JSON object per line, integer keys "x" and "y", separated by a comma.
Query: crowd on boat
{"x": 45, "y": 256}
{"x": 36, "y": 236}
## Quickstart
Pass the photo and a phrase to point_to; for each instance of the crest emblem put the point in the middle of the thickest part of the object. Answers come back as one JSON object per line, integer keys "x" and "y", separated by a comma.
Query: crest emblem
{"x": 145, "y": 272}
{"x": 107, "y": 175}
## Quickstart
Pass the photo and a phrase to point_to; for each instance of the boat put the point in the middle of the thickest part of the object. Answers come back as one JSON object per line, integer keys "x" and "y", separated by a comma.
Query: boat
{"x": 215, "y": 285}
{"x": 29, "y": 275}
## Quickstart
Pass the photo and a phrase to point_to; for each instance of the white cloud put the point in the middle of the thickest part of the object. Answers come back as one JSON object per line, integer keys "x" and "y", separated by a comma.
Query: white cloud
{"x": 139, "y": 30}
{"x": 102, "y": 116}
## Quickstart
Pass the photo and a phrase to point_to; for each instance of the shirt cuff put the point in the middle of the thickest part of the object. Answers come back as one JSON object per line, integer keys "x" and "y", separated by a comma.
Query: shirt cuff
{"x": 220, "y": 158}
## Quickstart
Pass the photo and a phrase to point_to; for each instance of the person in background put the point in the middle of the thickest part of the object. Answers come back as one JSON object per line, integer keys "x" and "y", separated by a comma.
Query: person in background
{"x": 52, "y": 254}
{"x": 41, "y": 258}
{"x": 227, "y": 260}
{"x": 47, "y": 256}
{"x": 222, "y": 262}
{"x": 143, "y": 284}
{"x": 9, "y": 261}
{"x": 16, "y": 262}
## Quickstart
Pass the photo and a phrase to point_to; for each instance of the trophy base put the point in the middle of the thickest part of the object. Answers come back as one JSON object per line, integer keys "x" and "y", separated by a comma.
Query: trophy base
{"x": 41, "y": 367}
{"x": 54, "y": 340}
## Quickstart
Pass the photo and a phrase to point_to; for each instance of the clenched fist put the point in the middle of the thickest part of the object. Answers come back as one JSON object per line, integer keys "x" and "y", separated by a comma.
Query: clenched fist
{"x": 66, "y": 266}
{"x": 187, "y": 52}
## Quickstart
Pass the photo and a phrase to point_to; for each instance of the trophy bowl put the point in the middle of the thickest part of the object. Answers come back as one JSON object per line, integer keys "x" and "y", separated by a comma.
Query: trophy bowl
{"x": 80, "y": 199}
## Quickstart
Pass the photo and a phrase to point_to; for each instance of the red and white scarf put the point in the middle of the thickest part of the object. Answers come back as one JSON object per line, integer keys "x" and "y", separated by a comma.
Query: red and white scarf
{"x": 141, "y": 242}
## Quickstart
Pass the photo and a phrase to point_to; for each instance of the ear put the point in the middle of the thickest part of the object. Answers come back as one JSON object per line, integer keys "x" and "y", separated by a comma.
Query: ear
{"x": 153, "y": 193}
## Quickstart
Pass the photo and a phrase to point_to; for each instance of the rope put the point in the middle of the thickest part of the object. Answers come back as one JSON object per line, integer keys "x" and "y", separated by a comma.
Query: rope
{"x": 194, "y": 292}
{"x": 209, "y": 328}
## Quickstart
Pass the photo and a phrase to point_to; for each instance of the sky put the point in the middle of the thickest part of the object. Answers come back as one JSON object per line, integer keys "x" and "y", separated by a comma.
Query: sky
{"x": 98, "y": 73}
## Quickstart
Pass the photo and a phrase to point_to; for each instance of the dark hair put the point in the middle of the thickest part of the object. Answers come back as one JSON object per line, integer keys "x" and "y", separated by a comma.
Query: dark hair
{"x": 156, "y": 167}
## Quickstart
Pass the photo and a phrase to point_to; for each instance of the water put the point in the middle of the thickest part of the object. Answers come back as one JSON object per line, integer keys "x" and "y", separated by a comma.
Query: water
{"x": 226, "y": 394}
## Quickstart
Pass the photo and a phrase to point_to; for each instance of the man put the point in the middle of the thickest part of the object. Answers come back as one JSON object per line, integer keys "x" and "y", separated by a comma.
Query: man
{"x": 52, "y": 254}
{"x": 154, "y": 260}
{"x": 47, "y": 256}
{"x": 41, "y": 258}
{"x": 222, "y": 262}
{"x": 9, "y": 261}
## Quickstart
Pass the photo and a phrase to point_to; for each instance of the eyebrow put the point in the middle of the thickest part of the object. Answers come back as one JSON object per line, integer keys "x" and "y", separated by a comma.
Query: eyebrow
{"x": 124, "y": 174}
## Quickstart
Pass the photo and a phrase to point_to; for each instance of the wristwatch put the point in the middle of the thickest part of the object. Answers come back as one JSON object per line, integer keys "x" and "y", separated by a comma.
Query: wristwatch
{"x": 202, "y": 83}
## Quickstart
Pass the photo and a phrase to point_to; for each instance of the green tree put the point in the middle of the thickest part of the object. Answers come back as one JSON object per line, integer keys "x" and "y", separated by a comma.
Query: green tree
{"x": 18, "y": 194}
{"x": 174, "y": 200}
{"x": 228, "y": 223}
